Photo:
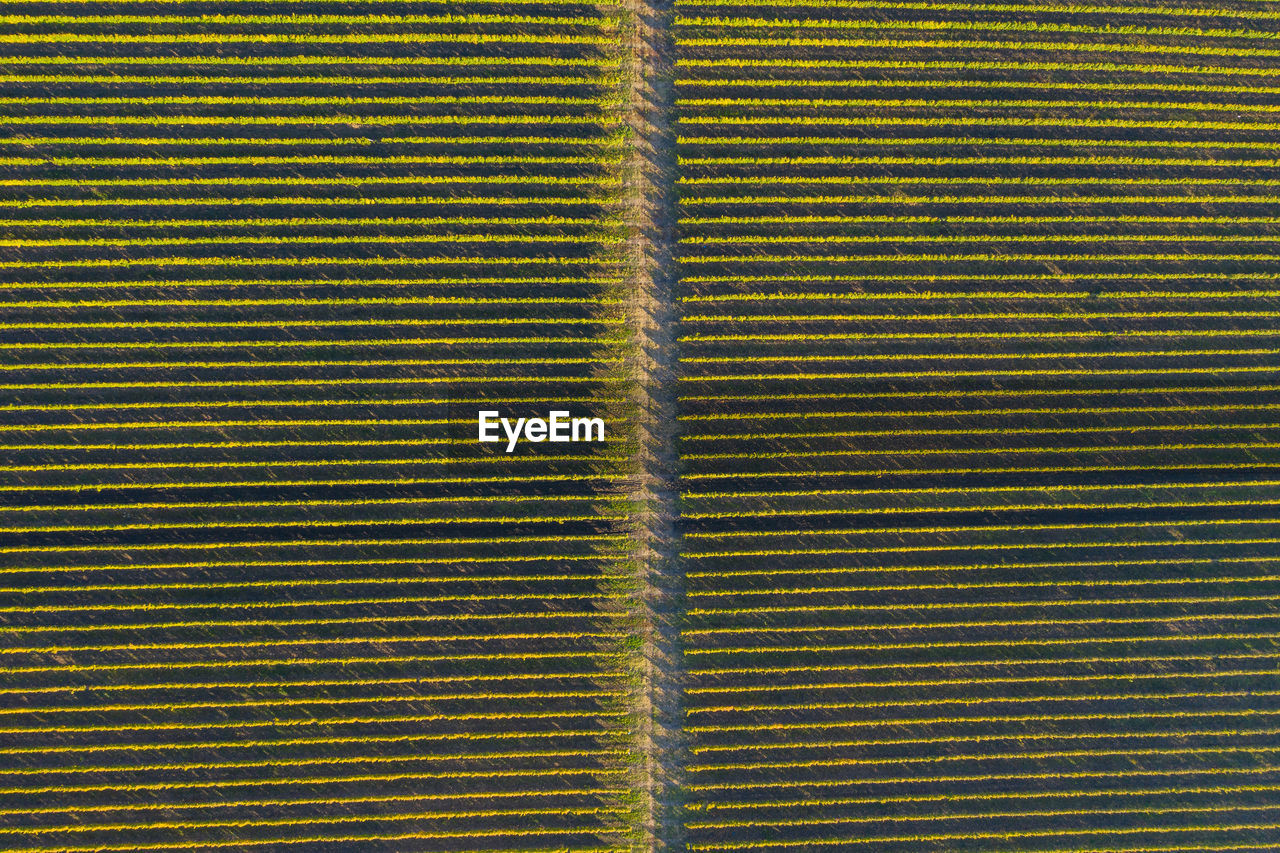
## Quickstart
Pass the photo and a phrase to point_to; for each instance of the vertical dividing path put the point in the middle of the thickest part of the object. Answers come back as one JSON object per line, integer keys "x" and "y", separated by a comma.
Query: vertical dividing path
{"x": 649, "y": 204}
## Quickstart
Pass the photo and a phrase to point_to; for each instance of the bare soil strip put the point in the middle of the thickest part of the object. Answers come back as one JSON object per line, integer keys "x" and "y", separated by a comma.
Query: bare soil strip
{"x": 651, "y": 221}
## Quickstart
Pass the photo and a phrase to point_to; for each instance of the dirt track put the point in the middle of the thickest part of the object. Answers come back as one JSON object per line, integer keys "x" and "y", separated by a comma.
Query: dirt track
{"x": 651, "y": 218}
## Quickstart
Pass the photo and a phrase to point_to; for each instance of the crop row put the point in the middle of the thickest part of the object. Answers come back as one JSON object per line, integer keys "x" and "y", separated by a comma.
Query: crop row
{"x": 1039, "y": 8}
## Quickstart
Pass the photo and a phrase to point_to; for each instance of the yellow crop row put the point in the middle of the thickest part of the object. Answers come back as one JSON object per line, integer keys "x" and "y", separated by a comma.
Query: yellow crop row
{"x": 977, "y": 83}
{"x": 302, "y": 18}
{"x": 589, "y": 834}
{"x": 359, "y": 141}
{"x": 835, "y": 160}
{"x": 585, "y": 656}
{"x": 317, "y": 482}
{"x": 327, "y": 701}
{"x": 949, "y": 606}
{"x": 892, "y": 356}
{"x": 1067, "y": 45}
{"x": 590, "y": 674}
{"x": 1041, "y": 8}
{"x": 259, "y": 201}
{"x": 809, "y": 511}
{"x": 906, "y": 200}
{"x": 965, "y": 120}
{"x": 986, "y": 546}
{"x": 304, "y": 38}
{"x": 354, "y": 759}
{"x": 800, "y": 24}
{"x": 275, "y": 604}
{"x": 321, "y": 61}
{"x": 243, "y": 743}
{"x": 1181, "y": 790}
{"x": 1011, "y": 565}
{"x": 593, "y": 616}
{"x": 1092, "y": 812}
{"x": 976, "y": 835}
{"x": 237, "y": 742}
{"x": 335, "y": 800}
{"x": 995, "y": 392}
{"x": 1012, "y": 642}
{"x": 321, "y": 119}
{"x": 387, "y": 220}
{"x": 985, "y": 181}
{"x": 601, "y": 74}
{"x": 533, "y": 616}
{"x": 316, "y": 503}
{"x": 293, "y": 261}
{"x": 985, "y": 623}
{"x": 970, "y": 104}
{"x": 321, "y": 820}
{"x": 600, "y": 280}
{"x": 335, "y": 239}
{"x": 998, "y": 664}
{"x": 780, "y": 60}
{"x": 326, "y": 180}
{"x": 976, "y": 682}
{"x": 316, "y": 343}
{"x": 313, "y": 543}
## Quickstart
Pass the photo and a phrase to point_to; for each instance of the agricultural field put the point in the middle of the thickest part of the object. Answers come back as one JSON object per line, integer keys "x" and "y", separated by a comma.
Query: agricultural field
{"x": 979, "y": 433}
{"x": 262, "y": 588}
{"x": 938, "y": 349}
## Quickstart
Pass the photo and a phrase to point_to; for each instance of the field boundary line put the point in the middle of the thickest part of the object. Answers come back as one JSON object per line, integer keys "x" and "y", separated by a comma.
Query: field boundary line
{"x": 649, "y": 215}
